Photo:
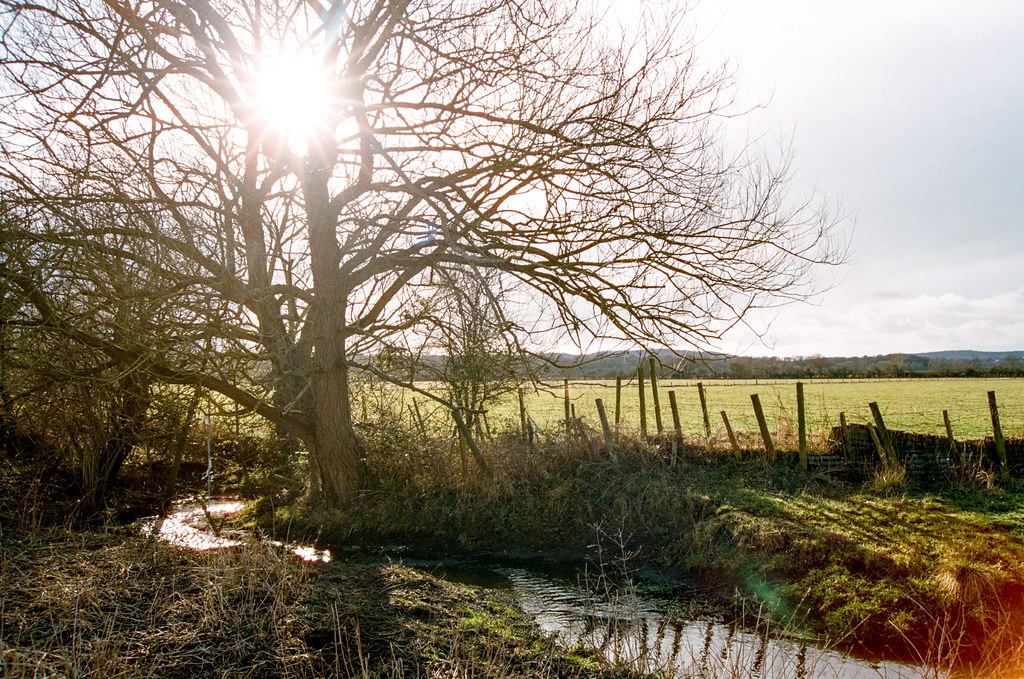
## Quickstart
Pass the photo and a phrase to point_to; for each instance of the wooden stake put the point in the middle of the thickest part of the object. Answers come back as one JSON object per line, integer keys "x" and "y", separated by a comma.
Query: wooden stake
{"x": 883, "y": 433}
{"x": 618, "y": 400}
{"x": 732, "y": 437}
{"x": 762, "y": 424}
{"x": 654, "y": 392}
{"x": 801, "y": 425}
{"x": 643, "y": 398}
{"x": 609, "y": 441}
{"x": 462, "y": 452}
{"x": 675, "y": 417}
{"x": 997, "y": 433}
{"x": 478, "y": 418}
{"x": 844, "y": 431}
{"x": 568, "y": 414}
{"x": 882, "y": 453}
{"x": 468, "y": 437}
{"x": 704, "y": 410}
{"x": 949, "y": 435}
{"x": 487, "y": 426}
{"x": 522, "y": 414}
{"x": 414, "y": 410}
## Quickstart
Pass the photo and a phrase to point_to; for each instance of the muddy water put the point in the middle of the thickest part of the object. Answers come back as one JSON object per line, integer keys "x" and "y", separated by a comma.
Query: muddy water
{"x": 565, "y": 603}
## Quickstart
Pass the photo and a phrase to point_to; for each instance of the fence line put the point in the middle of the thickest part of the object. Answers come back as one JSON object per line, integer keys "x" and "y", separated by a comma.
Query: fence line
{"x": 873, "y": 429}
{"x": 909, "y": 405}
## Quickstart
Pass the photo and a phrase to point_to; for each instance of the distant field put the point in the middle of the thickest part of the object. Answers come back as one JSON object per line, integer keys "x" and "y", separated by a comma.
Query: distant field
{"x": 912, "y": 404}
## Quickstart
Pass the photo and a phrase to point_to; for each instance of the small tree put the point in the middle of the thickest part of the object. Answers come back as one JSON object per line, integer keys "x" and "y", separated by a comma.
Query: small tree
{"x": 468, "y": 347}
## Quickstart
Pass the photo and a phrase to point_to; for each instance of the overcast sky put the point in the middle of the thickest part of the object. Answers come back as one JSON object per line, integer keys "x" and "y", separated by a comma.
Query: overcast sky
{"x": 908, "y": 115}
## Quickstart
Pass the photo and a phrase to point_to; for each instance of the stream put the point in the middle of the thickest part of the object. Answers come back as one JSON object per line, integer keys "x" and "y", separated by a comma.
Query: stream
{"x": 629, "y": 628}
{"x": 623, "y": 626}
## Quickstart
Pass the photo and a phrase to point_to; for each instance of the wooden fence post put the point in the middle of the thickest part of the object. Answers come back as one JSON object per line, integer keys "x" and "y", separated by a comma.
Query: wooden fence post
{"x": 882, "y": 452}
{"x": 732, "y": 437}
{"x": 463, "y": 457}
{"x": 487, "y": 426}
{"x": 997, "y": 434}
{"x": 643, "y": 398}
{"x": 477, "y": 455}
{"x": 801, "y": 425}
{"x": 419, "y": 426}
{"x": 419, "y": 418}
{"x": 568, "y": 414}
{"x": 883, "y": 433}
{"x": 522, "y": 413}
{"x": 844, "y": 431}
{"x": 618, "y": 400}
{"x": 654, "y": 392}
{"x": 609, "y": 441}
{"x": 675, "y": 417}
{"x": 762, "y": 424}
{"x": 949, "y": 435}
{"x": 704, "y": 410}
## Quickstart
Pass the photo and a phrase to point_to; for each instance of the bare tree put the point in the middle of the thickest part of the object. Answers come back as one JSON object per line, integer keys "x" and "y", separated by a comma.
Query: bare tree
{"x": 587, "y": 169}
{"x": 468, "y": 349}
{"x": 84, "y": 411}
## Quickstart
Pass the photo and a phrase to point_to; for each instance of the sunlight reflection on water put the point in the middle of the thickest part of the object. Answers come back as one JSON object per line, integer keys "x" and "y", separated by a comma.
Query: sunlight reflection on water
{"x": 630, "y": 629}
{"x": 187, "y": 525}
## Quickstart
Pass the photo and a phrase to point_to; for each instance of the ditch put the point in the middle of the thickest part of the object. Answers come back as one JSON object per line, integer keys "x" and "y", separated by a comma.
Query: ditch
{"x": 582, "y": 609}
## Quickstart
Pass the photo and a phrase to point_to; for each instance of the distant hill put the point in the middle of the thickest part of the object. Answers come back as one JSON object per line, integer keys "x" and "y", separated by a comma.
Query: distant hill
{"x": 970, "y": 355}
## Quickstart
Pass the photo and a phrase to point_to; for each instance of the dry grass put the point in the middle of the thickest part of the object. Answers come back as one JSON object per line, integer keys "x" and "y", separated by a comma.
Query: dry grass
{"x": 101, "y": 605}
{"x": 970, "y": 583}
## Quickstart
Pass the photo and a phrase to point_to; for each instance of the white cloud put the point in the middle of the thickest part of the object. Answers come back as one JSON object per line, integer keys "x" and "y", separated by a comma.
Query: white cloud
{"x": 908, "y": 324}
{"x": 909, "y": 117}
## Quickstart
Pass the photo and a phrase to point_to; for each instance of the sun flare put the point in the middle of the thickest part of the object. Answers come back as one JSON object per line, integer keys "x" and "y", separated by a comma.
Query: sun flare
{"x": 293, "y": 95}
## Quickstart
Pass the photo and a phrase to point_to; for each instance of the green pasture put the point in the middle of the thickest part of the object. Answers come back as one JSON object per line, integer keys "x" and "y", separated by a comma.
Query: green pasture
{"x": 914, "y": 405}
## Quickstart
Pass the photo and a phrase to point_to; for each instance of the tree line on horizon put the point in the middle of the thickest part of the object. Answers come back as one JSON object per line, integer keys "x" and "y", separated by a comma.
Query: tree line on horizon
{"x": 721, "y": 366}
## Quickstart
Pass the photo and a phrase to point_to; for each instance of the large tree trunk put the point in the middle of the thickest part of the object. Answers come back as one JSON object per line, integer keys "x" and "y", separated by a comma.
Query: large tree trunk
{"x": 336, "y": 451}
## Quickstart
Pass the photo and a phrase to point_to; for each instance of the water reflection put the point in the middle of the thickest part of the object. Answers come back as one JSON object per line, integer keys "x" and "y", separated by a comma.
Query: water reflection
{"x": 630, "y": 629}
{"x": 196, "y": 525}
{"x": 188, "y": 525}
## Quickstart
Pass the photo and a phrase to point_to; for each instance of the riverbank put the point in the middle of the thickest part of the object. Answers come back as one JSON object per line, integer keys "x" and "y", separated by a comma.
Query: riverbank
{"x": 116, "y": 603}
{"x": 933, "y": 576}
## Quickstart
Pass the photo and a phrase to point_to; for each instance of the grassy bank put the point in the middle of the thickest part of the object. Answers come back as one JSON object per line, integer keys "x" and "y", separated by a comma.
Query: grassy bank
{"x": 79, "y": 604}
{"x": 926, "y": 575}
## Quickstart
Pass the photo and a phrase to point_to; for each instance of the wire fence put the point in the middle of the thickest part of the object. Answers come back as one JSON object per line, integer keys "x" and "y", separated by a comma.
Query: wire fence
{"x": 912, "y": 405}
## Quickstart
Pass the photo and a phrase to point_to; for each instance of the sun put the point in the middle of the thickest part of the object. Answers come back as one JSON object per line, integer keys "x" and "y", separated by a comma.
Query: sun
{"x": 292, "y": 95}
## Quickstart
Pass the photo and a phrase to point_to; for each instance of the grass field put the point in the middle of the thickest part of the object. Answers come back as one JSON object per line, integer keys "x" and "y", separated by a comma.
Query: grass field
{"x": 912, "y": 404}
